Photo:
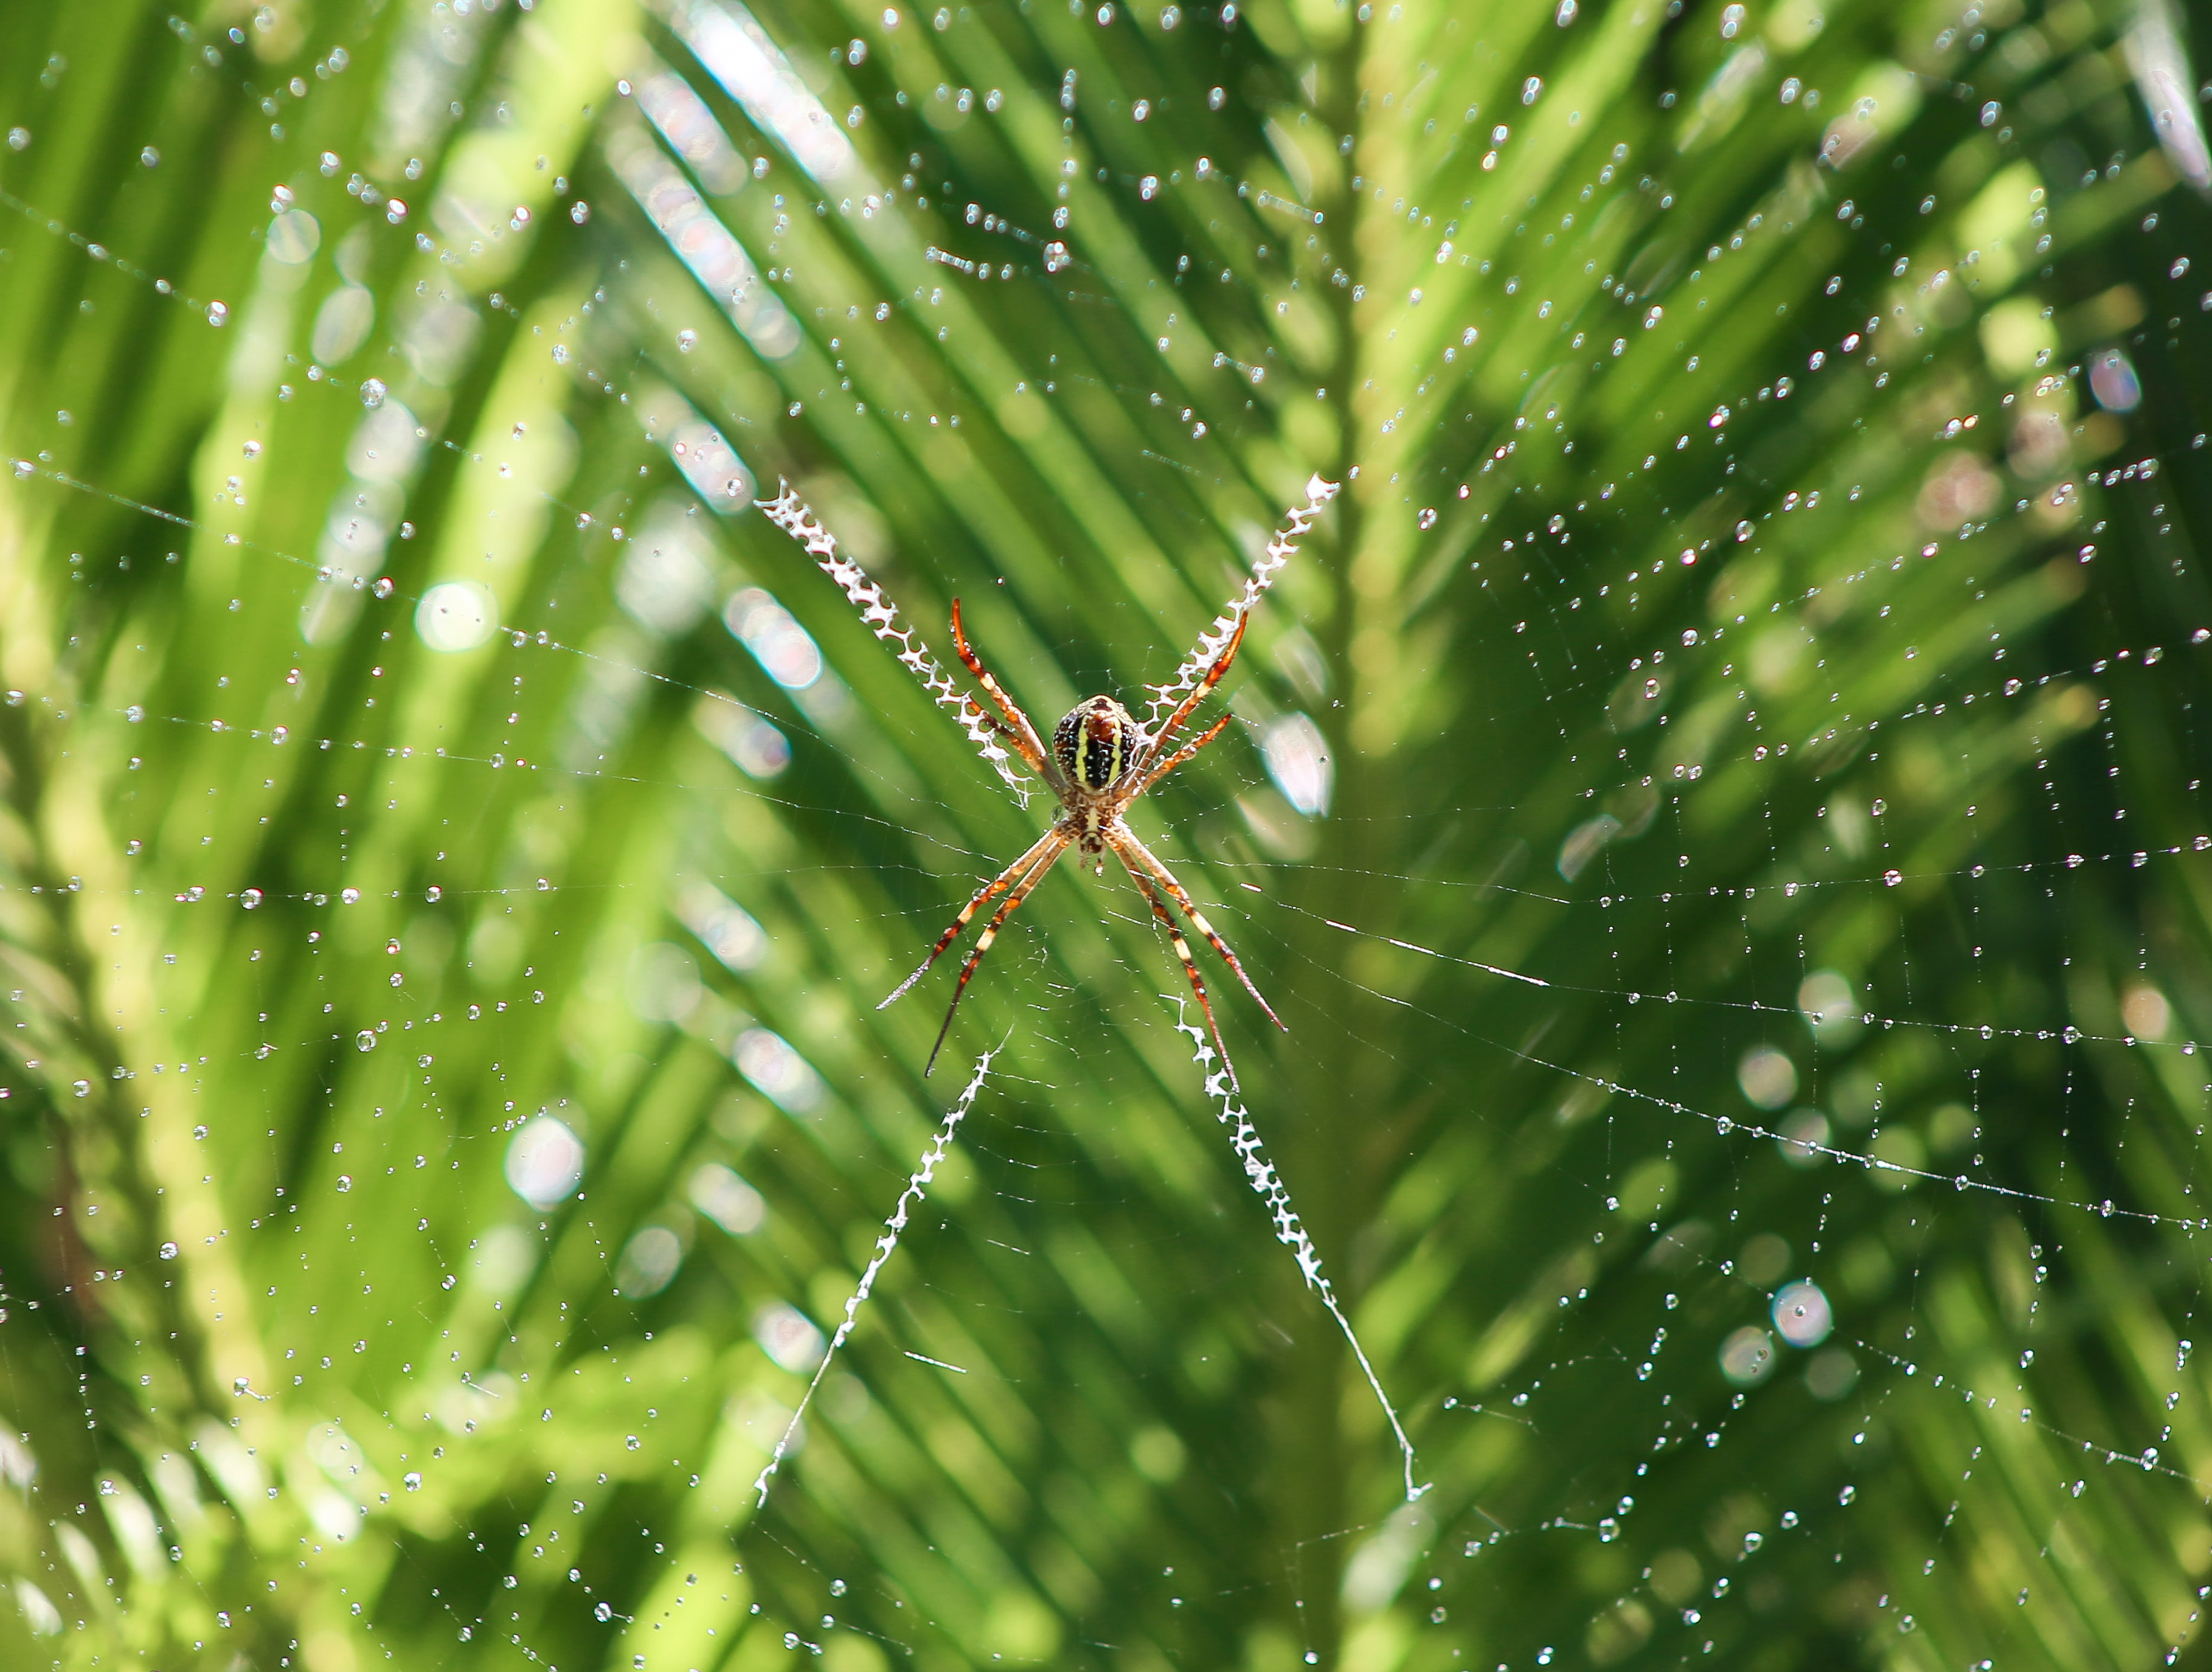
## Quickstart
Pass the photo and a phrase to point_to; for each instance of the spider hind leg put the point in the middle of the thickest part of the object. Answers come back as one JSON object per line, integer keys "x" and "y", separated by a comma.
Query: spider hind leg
{"x": 1016, "y": 728}
{"x": 1168, "y": 727}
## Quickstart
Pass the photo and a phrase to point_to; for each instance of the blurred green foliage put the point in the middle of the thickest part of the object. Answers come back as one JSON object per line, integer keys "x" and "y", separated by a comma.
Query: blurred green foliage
{"x": 1765, "y": 612}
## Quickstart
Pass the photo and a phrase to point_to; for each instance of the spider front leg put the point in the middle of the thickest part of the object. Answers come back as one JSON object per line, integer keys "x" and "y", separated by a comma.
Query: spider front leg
{"x": 1134, "y": 853}
{"x": 1189, "y": 964}
{"x": 1018, "y": 730}
{"x": 1054, "y": 844}
{"x": 1011, "y": 873}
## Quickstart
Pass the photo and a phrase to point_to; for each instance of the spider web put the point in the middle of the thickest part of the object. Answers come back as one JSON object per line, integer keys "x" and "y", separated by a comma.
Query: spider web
{"x": 1722, "y": 820}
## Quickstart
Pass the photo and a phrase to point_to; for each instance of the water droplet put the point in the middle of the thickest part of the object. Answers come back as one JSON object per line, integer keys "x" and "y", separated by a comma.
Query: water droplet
{"x": 365, "y": 1040}
{"x": 218, "y": 312}
{"x": 1893, "y": 878}
{"x": 373, "y": 393}
{"x": 168, "y": 1250}
{"x": 1428, "y": 517}
{"x": 412, "y": 1479}
{"x": 580, "y": 211}
{"x": 686, "y": 341}
{"x": 251, "y": 898}
{"x": 351, "y": 896}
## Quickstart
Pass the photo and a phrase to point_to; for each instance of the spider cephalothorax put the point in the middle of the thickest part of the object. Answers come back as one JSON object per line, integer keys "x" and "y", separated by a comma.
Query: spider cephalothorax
{"x": 1101, "y": 760}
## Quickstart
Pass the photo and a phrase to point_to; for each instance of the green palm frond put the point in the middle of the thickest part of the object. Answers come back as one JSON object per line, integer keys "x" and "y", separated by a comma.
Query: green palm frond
{"x": 1715, "y": 801}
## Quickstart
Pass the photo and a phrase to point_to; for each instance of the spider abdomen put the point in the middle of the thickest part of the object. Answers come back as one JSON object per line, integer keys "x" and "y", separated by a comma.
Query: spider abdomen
{"x": 1094, "y": 742}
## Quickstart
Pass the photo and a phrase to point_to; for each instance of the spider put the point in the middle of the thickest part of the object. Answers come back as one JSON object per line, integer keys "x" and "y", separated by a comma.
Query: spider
{"x": 1101, "y": 760}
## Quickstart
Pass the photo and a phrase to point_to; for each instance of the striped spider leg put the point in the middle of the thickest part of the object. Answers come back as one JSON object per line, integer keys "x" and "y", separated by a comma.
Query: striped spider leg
{"x": 1016, "y": 729}
{"x": 1100, "y": 760}
{"x": 1137, "y": 858}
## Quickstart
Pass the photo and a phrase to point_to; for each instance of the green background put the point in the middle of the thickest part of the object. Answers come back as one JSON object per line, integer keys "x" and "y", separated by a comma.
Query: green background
{"x": 1763, "y": 613}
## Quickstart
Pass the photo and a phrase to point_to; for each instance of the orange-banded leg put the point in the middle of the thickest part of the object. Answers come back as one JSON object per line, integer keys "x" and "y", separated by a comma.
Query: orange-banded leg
{"x": 1047, "y": 851}
{"x": 1153, "y": 775}
{"x": 1019, "y": 731}
{"x": 1189, "y": 964}
{"x": 1125, "y": 844}
{"x": 1011, "y": 873}
{"x": 1174, "y": 721}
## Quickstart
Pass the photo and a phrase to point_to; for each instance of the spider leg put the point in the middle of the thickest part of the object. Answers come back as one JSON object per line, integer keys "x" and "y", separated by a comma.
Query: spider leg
{"x": 1018, "y": 730}
{"x": 1174, "y": 721}
{"x": 1145, "y": 887}
{"x": 1054, "y": 846}
{"x": 1152, "y": 775}
{"x": 1125, "y": 844}
{"x": 1010, "y": 874}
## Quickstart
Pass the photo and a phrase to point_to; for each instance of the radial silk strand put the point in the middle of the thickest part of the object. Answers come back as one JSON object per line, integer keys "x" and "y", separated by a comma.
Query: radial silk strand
{"x": 788, "y": 512}
{"x": 1265, "y": 569}
{"x": 917, "y": 1188}
{"x": 1290, "y": 1230}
